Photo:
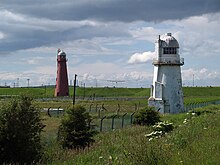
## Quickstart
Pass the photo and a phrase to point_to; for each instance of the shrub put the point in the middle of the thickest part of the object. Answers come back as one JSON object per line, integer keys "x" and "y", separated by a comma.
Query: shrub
{"x": 75, "y": 130}
{"x": 20, "y": 128}
{"x": 147, "y": 116}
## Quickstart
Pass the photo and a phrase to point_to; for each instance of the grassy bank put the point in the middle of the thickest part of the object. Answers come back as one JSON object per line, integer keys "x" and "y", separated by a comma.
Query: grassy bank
{"x": 193, "y": 142}
{"x": 109, "y": 92}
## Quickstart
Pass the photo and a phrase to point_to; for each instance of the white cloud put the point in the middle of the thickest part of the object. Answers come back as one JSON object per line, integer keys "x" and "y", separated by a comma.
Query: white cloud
{"x": 203, "y": 76}
{"x": 198, "y": 35}
{"x": 145, "y": 33}
{"x": 199, "y": 74}
{"x": 34, "y": 60}
{"x": 1, "y": 35}
{"x": 35, "y": 79}
{"x": 48, "y": 70}
{"x": 42, "y": 23}
{"x": 8, "y": 16}
{"x": 141, "y": 57}
{"x": 9, "y": 76}
{"x": 98, "y": 68}
{"x": 128, "y": 79}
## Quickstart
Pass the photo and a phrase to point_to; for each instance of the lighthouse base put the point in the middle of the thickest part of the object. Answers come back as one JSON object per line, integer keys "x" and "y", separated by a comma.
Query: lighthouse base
{"x": 157, "y": 103}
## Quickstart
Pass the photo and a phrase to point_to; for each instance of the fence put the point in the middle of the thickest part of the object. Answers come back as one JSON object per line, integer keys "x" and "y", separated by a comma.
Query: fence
{"x": 120, "y": 121}
{"x": 109, "y": 121}
{"x": 106, "y": 119}
{"x": 114, "y": 122}
{"x": 191, "y": 106}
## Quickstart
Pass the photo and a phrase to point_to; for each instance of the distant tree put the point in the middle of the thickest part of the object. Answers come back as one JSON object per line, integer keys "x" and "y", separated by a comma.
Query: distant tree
{"x": 20, "y": 128}
{"x": 75, "y": 131}
{"x": 146, "y": 116}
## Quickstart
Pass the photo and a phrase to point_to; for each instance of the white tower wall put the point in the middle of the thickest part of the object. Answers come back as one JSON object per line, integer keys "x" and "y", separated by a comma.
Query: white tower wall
{"x": 166, "y": 92}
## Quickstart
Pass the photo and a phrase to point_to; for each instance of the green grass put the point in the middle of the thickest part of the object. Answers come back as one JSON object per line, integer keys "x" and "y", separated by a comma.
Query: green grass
{"x": 201, "y": 91}
{"x": 196, "y": 142}
{"x": 34, "y": 92}
{"x": 191, "y": 95}
{"x": 110, "y": 92}
{"x": 114, "y": 92}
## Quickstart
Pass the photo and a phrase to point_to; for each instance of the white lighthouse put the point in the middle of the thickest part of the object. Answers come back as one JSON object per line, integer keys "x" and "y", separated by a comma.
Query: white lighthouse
{"x": 166, "y": 91}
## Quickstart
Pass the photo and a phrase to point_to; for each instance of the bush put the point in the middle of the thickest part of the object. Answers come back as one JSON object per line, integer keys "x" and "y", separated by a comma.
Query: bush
{"x": 75, "y": 130}
{"x": 147, "y": 116}
{"x": 20, "y": 128}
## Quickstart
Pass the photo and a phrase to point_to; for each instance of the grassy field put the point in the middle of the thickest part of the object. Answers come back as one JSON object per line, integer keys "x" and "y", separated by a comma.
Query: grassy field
{"x": 109, "y": 92}
{"x": 80, "y": 92}
{"x": 193, "y": 142}
{"x": 128, "y": 98}
{"x": 196, "y": 142}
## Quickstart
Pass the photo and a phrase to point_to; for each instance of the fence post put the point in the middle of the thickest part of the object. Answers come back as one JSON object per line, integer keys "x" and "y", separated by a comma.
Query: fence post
{"x": 58, "y": 110}
{"x": 99, "y": 113}
{"x": 122, "y": 122}
{"x": 96, "y": 107}
{"x": 131, "y": 120}
{"x": 135, "y": 107}
{"x": 48, "y": 112}
{"x": 89, "y": 123}
{"x": 103, "y": 108}
{"x": 118, "y": 110}
{"x": 101, "y": 123}
{"x": 90, "y": 107}
{"x": 113, "y": 118}
{"x": 191, "y": 106}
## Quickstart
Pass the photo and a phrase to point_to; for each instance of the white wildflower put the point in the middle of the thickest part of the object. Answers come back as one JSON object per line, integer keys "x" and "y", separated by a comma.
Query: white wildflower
{"x": 150, "y": 139}
{"x": 185, "y": 121}
{"x": 149, "y": 135}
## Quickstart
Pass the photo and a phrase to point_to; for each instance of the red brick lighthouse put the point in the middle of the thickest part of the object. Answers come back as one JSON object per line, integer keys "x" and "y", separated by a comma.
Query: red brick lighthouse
{"x": 62, "y": 87}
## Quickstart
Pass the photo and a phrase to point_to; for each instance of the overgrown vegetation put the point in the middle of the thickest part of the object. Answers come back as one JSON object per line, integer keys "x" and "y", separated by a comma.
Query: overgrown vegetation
{"x": 194, "y": 142}
{"x": 147, "y": 116}
{"x": 20, "y": 129}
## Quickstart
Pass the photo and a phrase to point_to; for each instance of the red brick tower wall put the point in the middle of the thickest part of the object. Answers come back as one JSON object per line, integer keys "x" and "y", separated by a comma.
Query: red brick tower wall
{"x": 62, "y": 87}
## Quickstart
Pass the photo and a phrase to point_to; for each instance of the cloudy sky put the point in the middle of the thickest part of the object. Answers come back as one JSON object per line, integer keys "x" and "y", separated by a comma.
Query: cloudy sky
{"x": 106, "y": 40}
